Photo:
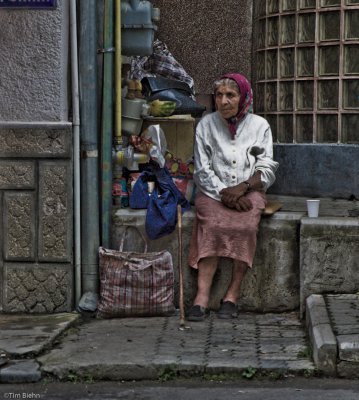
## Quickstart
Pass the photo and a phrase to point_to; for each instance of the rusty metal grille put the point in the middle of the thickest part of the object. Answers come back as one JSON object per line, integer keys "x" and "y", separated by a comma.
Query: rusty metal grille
{"x": 306, "y": 69}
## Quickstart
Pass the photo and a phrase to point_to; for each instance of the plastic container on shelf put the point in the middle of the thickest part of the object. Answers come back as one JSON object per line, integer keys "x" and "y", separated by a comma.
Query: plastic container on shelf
{"x": 137, "y": 27}
{"x": 130, "y": 125}
{"x": 132, "y": 112}
{"x": 134, "y": 108}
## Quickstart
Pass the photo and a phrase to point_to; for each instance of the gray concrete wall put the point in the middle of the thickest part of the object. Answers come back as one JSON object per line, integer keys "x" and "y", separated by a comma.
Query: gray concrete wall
{"x": 34, "y": 64}
{"x": 36, "y": 266}
{"x": 317, "y": 170}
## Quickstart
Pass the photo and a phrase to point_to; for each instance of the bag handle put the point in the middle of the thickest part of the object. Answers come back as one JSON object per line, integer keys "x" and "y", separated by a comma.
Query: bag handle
{"x": 138, "y": 231}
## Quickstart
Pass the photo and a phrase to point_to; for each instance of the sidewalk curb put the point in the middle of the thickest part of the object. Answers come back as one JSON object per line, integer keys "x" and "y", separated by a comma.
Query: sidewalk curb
{"x": 323, "y": 341}
{"x": 20, "y": 371}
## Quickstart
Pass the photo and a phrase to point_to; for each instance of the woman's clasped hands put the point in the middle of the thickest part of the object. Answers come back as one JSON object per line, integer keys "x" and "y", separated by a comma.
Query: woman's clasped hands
{"x": 233, "y": 197}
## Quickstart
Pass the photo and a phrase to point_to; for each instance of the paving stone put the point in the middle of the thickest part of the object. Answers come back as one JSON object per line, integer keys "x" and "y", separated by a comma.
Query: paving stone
{"x": 324, "y": 348}
{"x": 281, "y": 341}
{"x": 347, "y": 369}
{"x": 346, "y": 329}
{"x": 278, "y": 319}
{"x": 275, "y": 356}
{"x": 270, "y": 348}
{"x": 25, "y": 334}
{"x": 216, "y": 367}
{"x": 272, "y": 364}
{"x": 348, "y": 347}
{"x": 20, "y": 371}
{"x": 300, "y": 365}
{"x": 344, "y": 319}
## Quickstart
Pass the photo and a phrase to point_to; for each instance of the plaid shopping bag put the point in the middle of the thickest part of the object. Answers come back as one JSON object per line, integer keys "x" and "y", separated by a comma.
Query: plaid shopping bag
{"x": 135, "y": 284}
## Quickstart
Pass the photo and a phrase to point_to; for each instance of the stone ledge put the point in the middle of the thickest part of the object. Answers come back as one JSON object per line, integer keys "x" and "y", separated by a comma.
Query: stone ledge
{"x": 273, "y": 283}
{"x": 291, "y": 248}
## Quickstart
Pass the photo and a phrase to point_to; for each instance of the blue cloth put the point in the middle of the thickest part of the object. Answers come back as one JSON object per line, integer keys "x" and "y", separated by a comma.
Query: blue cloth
{"x": 161, "y": 216}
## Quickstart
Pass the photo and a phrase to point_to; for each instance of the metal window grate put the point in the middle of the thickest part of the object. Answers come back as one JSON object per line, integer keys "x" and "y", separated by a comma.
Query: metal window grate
{"x": 307, "y": 69}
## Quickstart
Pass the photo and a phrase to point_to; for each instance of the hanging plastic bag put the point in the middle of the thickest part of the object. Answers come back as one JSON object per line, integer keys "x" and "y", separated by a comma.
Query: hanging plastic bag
{"x": 155, "y": 134}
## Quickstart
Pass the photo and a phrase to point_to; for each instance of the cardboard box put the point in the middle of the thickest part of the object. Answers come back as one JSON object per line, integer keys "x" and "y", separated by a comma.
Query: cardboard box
{"x": 179, "y": 132}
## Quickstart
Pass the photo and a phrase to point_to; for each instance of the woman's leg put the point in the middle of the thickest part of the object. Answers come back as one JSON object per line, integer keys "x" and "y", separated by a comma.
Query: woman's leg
{"x": 238, "y": 272}
{"x": 206, "y": 269}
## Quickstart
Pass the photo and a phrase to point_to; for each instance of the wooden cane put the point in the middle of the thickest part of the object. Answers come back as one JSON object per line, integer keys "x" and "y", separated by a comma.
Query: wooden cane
{"x": 181, "y": 299}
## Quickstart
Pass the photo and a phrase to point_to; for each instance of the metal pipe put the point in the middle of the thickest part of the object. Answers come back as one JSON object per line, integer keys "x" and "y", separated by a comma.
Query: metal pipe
{"x": 76, "y": 149}
{"x": 107, "y": 124}
{"x": 90, "y": 225}
{"x": 118, "y": 71}
{"x": 35, "y": 124}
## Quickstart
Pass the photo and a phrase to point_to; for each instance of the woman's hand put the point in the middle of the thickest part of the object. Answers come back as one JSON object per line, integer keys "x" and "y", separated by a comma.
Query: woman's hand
{"x": 243, "y": 204}
{"x": 231, "y": 194}
{"x": 232, "y": 197}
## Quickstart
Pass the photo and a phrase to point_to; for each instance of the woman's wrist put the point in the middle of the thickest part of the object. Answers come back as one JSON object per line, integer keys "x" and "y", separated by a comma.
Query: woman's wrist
{"x": 248, "y": 185}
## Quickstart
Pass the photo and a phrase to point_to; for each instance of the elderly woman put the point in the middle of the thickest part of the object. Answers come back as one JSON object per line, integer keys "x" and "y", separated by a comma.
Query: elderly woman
{"x": 233, "y": 168}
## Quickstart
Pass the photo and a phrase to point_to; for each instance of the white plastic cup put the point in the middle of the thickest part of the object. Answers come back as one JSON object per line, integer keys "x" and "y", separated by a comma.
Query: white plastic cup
{"x": 313, "y": 208}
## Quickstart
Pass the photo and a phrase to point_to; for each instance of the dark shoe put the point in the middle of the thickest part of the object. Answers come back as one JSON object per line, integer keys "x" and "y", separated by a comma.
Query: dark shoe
{"x": 227, "y": 310}
{"x": 197, "y": 313}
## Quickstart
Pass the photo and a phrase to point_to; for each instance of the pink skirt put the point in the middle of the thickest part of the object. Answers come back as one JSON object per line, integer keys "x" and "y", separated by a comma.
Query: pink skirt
{"x": 223, "y": 232}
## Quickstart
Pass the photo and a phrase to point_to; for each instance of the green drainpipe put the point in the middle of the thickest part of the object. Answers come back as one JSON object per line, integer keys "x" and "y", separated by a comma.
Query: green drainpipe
{"x": 107, "y": 122}
{"x": 90, "y": 225}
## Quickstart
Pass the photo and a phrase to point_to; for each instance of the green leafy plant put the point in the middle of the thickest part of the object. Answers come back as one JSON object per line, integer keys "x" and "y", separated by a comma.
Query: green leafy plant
{"x": 168, "y": 373}
{"x": 306, "y": 352}
{"x": 249, "y": 373}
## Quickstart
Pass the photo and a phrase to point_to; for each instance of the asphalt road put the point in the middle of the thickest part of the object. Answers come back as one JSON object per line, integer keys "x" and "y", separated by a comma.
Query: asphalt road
{"x": 291, "y": 389}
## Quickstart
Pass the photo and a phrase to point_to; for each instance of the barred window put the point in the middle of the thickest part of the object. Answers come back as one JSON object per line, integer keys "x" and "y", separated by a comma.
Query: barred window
{"x": 306, "y": 69}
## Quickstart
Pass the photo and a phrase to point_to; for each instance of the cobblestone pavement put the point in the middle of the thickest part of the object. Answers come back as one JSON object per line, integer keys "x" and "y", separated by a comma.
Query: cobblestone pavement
{"x": 145, "y": 348}
{"x": 64, "y": 345}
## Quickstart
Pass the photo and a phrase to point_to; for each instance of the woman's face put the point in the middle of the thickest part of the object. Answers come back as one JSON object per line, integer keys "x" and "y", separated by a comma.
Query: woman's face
{"x": 227, "y": 101}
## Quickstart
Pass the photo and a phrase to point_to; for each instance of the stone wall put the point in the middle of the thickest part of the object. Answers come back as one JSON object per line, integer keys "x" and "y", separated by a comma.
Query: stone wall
{"x": 34, "y": 64}
{"x": 36, "y": 266}
{"x": 272, "y": 284}
{"x": 36, "y": 224}
{"x": 208, "y": 37}
{"x": 329, "y": 256}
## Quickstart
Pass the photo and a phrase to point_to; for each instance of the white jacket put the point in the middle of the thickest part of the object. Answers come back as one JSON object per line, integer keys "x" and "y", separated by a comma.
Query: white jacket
{"x": 221, "y": 162}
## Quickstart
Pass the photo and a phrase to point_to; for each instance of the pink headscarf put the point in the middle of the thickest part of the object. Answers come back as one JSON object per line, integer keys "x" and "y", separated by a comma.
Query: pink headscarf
{"x": 245, "y": 102}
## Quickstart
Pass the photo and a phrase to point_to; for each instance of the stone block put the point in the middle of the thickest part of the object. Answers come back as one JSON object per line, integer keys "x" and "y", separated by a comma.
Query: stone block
{"x": 347, "y": 369}
{"x": 34, "y": 288}
{"x": 19, "y": 226}
{"x": 321, "y": 336}
{"x": 36, "y": 142}
{"x": 324, "y": 348}
{"x": 271, "y": 285}
{"x": 348, "y": 347}
{"x": 323, "y": 241}
{"x": 316, "y": 311}
{"x": 55, "y": 211}
{"x": 20, "y": 371}
{"x": 273, "y": 282}
{"x": 17, "y": 174}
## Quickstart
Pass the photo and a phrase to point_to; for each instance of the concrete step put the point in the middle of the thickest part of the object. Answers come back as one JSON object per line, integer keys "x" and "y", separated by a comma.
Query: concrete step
{"x": 333, "y": 335}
